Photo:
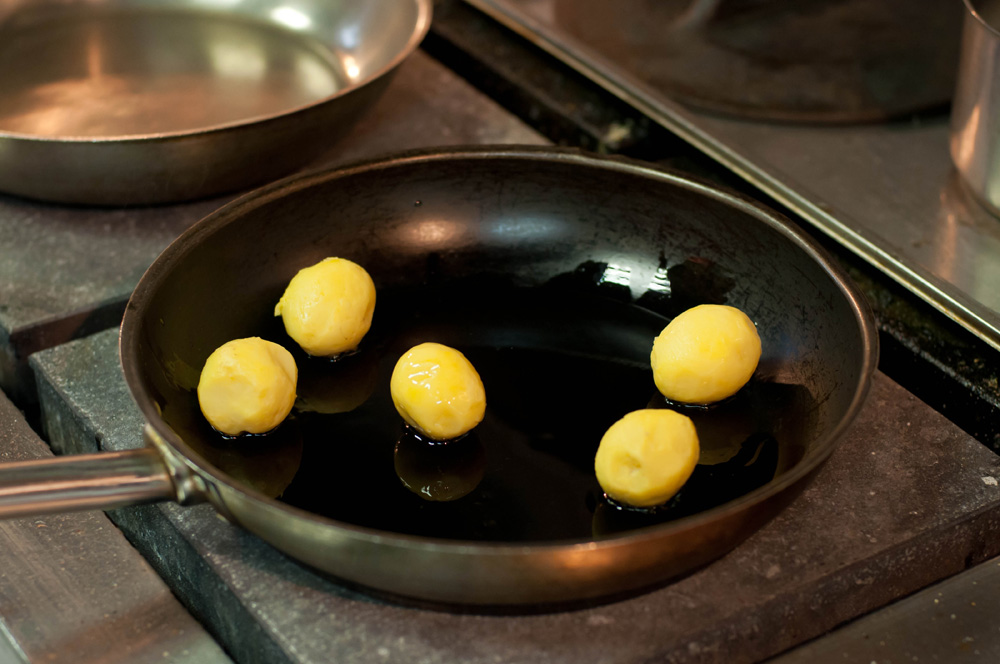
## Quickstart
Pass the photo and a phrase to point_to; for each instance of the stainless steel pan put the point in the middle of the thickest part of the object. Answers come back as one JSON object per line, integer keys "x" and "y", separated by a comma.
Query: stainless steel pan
{"x": 552, "y": 270}
{"x": 121, "y": 102}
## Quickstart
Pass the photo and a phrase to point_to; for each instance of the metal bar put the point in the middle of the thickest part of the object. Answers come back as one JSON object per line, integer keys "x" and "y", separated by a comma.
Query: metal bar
{"x": 84, "y": 482}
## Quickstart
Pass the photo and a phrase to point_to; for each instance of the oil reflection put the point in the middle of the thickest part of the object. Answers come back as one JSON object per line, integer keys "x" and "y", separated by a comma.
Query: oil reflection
{"x": 433, "y": 234}
{"x": 340, "y": 386}
{"x": 267, "y": 463}
{"x": 440, "y": 471}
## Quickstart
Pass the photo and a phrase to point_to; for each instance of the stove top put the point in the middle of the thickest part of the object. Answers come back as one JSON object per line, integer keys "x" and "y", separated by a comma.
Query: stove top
{"x": 885, "y": 191}
{"x": 907, "y": 499}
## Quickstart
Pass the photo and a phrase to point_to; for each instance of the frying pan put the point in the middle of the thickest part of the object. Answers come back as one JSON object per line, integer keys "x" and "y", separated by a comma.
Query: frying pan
{"x": 116, "y": 102}
{"x": 553, "y": 269}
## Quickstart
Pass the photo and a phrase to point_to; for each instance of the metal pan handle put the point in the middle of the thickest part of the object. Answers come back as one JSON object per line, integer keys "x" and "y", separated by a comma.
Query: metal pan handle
{"x": 85, "y": 482}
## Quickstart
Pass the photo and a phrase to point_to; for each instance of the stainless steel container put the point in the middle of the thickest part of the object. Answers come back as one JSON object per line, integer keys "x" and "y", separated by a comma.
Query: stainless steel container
{"x": 123, "y": 102}
{"x": 975, "y": 118}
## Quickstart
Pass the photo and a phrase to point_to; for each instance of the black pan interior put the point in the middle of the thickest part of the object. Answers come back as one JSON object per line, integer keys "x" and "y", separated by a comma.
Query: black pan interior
{"x": 553, "y": 275}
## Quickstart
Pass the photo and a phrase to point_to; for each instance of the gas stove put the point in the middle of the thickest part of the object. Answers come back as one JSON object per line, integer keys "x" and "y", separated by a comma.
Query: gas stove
{"x": 908, "y": 499}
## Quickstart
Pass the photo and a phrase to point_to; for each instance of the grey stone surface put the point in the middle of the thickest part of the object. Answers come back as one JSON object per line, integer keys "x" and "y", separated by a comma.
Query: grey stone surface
{"x": 72, "y": 589}
{"x": 906, "y": 500}
{"x": 952, "y": 621}
{"x": 68, "y": 271}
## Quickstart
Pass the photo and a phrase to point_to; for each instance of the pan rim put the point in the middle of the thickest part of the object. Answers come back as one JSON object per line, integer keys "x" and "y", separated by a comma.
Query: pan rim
{"x": 229, "y": 213}
{"x": 424, "y": 11}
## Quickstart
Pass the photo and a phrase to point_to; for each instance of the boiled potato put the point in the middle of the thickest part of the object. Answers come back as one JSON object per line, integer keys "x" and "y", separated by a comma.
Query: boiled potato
{"x": 705, "y": 354}
{"x": 327, "y": 308}
{"x": 646, "y": 457}
{"x": 438, "y": 391}
{"x": 247, "y": 386}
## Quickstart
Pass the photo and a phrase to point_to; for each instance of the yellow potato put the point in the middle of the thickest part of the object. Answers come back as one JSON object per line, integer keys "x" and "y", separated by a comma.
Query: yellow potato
{"x": 247, "y": 386}
{"x": 438, "y": 391}
{"x": 646, "y": 457}
{"x": 327, "y": 308}
{"x": 705, "y": 354}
